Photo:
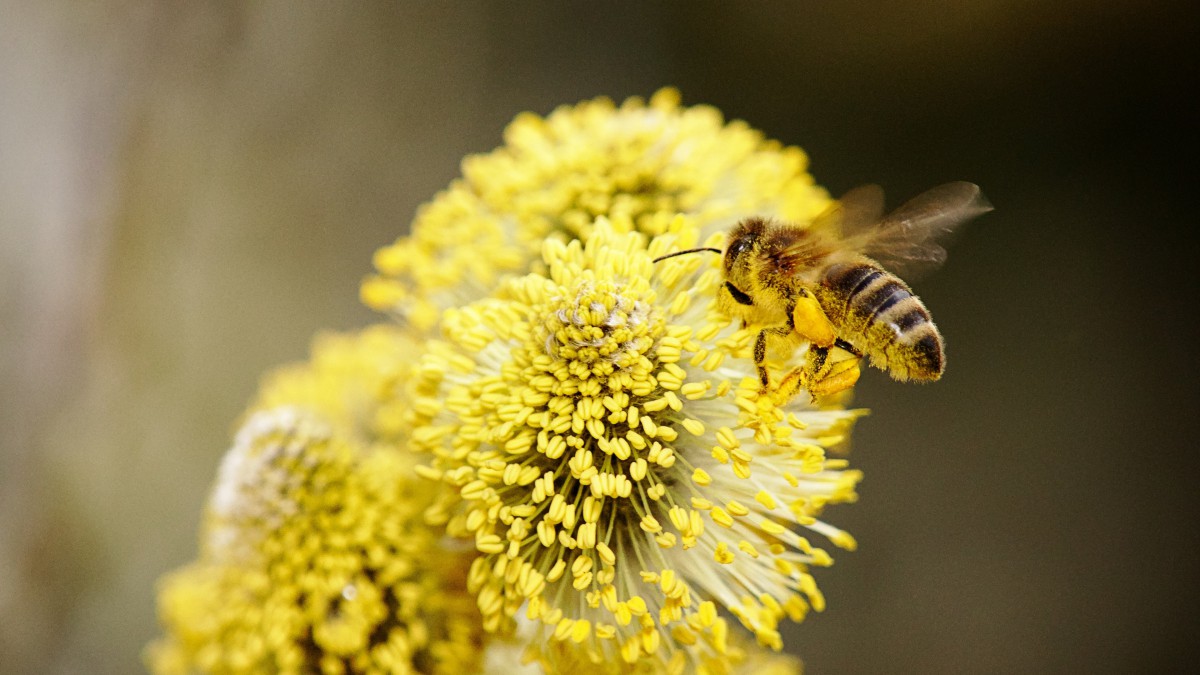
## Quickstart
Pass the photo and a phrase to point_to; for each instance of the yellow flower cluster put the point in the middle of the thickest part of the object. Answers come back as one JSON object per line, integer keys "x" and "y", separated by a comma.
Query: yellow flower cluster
{"x": 354, "y": 381}
{"x": 638, "y": 164}
{"x": 314, "y": 556}
{"x": 562, "y": 441}
{"x": 612, "y": 458}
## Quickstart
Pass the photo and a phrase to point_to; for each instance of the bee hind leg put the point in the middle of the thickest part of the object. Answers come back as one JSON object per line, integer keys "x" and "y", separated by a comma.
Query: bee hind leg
{"x": 842, "y": 344}
{"x": 834, "y": 375}
{"x": 821, "y": 375}
{"x": 839, "y": 376}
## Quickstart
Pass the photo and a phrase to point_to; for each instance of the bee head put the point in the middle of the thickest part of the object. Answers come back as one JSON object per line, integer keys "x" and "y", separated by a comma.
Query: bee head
{"x": 739, "y": 255}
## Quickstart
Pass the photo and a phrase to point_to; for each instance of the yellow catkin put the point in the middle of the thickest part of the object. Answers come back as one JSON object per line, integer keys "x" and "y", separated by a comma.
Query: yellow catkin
{"x": 580, "y": 393}
{"x": 235, "y": 609}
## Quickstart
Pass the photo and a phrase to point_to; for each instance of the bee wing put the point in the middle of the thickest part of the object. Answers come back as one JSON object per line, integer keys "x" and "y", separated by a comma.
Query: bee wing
{"x": 909, "y": 240}
{"x": 853, "y": 215}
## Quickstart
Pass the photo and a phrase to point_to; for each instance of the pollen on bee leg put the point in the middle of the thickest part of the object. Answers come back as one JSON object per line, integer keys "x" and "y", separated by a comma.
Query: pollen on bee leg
{"x": 788, "y": 386}
{"x": 840, "y": 376}
{"x": 810, "y": 322}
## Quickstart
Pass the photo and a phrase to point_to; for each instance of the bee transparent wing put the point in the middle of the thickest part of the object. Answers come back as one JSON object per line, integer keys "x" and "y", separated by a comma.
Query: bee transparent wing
{"x": 851, "y": 216}
{"x": 909, "y": 240}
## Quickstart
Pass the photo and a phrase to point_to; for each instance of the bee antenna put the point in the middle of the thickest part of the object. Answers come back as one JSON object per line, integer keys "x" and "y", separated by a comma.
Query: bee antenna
{"x": 690, "y": 250}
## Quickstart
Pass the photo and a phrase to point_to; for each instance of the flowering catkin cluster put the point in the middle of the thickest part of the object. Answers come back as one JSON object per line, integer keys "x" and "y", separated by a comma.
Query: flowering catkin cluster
{"x": 638, "y": 164}
{"x": 314, "y": 556}
{"x": 561, "y": 450}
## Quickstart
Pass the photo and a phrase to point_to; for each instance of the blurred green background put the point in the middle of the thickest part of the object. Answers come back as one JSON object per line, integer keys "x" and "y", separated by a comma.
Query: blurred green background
{"x": 188, "y": 192}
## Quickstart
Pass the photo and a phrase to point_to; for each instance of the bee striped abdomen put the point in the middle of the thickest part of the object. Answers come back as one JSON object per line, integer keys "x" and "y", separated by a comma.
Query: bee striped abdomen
{"x": 877, "y": 313}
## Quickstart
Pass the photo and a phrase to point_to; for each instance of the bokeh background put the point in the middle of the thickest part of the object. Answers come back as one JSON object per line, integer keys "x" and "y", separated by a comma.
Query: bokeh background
{"x": 188, "y": 192}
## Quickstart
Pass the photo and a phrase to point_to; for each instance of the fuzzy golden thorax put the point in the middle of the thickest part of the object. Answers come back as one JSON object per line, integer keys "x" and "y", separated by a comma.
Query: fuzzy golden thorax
{"x": 766, "y": 264}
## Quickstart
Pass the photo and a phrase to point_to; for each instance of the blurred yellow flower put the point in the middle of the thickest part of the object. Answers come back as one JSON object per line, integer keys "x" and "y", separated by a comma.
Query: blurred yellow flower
{"x": 353, "y": 381}
{"x": 610, "y": 455}
{"x": 314, "y": 556}
{"x": 638, "y": 164}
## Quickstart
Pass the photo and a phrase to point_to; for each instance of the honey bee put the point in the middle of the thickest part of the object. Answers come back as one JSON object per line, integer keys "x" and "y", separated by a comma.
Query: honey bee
{"x": 829, "y": 284}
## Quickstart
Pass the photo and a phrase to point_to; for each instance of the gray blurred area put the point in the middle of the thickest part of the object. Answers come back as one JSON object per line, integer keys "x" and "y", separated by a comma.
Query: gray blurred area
{"x": 188, "y": 193}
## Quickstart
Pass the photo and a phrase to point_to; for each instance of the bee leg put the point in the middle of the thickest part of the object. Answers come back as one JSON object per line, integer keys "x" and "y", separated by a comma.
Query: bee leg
{"x": 841, "y": 376}
{"x": 834, "y": 376}
{"x": 820, "y": 375}
{"x": 760, "y": 358}
{"x": 842, "y": 344}
{"x": 789, "y": 386}
{"x": 760, "y": 353}
{"x": 809, "y": 321}
{"x": 801, "y": 376}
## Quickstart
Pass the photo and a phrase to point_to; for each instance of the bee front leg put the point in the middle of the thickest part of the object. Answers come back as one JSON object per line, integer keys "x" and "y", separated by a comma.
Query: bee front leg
{"x": 760, "y": 358}
{"x": 760, "y": 353}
